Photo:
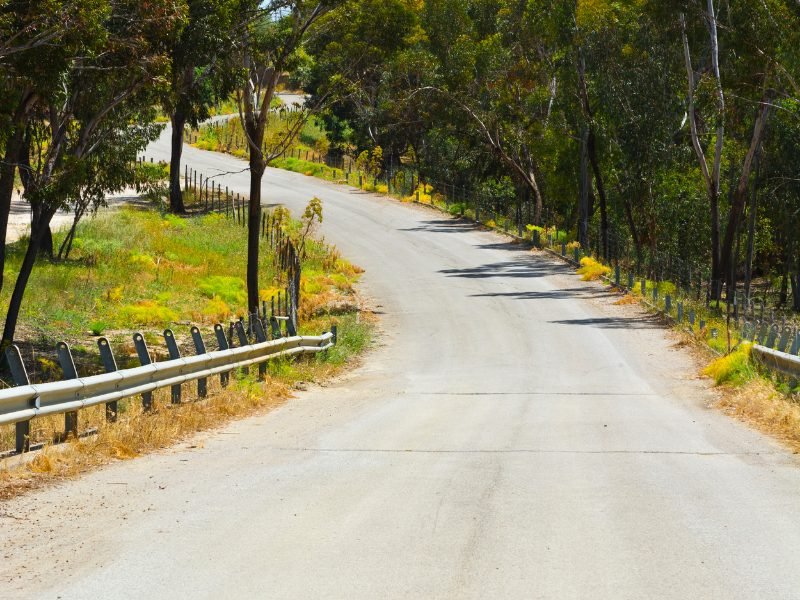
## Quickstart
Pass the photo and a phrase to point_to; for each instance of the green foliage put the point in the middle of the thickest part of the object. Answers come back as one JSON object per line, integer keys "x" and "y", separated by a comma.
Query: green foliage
{"x": 229, "y": 289}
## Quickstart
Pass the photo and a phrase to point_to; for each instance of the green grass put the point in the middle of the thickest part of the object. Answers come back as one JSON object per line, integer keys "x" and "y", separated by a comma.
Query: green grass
{"x": 133, "y": 268}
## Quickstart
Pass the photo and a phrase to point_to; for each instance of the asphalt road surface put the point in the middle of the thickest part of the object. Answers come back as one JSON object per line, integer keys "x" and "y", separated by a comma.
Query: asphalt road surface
{"x": 514, "y": 435}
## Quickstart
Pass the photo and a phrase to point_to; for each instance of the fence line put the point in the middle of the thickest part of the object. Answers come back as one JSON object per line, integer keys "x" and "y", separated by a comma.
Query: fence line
{"x": 27, "y": 401}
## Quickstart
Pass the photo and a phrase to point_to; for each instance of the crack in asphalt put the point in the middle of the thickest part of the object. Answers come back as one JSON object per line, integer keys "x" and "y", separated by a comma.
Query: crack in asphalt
{"x": 517, "y": 451}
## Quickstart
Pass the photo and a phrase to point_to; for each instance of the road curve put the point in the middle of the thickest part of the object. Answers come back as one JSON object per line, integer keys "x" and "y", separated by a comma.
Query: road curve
{"x": 515, "y": 435}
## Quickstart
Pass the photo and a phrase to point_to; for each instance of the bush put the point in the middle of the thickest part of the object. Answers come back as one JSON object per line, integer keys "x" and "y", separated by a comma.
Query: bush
{"x": 592, "y": 270}
{"x": 456, "y": 209}
{"x": 229, "y": 289}
{"x": 98, "y": 327}
{"x": 734, "y": 369}
{"x": 147, "y": 312}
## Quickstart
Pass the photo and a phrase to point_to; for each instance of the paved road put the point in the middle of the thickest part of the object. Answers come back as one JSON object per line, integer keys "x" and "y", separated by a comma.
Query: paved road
{"x": 515, "y": 435}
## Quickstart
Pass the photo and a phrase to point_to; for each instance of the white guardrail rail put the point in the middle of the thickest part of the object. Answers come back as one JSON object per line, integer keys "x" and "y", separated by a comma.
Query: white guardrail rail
{"x": 786, "y": 363}
{"x": 27, "y": 401}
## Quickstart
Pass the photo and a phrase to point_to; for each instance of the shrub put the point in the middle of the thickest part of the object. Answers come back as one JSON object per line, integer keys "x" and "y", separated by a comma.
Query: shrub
{"x": 592, "y": 270}
{"x": 230, "y": 289}
{"x": 98, "y": 327}
{"x": 456, "y": 209}
{"x": 734, "y": 369}
{"x": 147, "y": 312}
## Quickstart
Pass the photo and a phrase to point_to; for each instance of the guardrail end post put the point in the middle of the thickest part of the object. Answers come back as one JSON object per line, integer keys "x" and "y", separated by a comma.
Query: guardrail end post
{"x": 335, "y": 332}
{"x": 20, "y": 377}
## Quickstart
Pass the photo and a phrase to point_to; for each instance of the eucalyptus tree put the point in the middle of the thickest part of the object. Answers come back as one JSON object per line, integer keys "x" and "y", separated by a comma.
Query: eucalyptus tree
{"x": 269, "y": 44}
{"x": 366, "y": 59}
{"x": 198, "y": 56}
{"x": 89, "y": 94}
{"x": 729, "y": 101}
{"x": 27, "y": 30}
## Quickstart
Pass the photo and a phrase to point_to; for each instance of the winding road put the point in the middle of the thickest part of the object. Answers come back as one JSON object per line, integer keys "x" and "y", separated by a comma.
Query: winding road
{"x": 514, "y": 435}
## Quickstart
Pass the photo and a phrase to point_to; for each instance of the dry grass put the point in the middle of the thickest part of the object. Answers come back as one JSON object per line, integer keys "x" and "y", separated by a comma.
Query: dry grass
{"x": 137, "y": 432}
{"x": 760, "y": 404}
{"x": 626, "y": 300}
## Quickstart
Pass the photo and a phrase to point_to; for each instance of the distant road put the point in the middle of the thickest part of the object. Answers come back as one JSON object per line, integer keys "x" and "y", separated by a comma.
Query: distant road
{"x": 514, "y": 435}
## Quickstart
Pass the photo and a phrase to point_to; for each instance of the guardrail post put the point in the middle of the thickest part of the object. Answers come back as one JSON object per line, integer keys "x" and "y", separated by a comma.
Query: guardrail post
{"x": 784, "y": 339}
{"x": 222, "y": 342}
{"x": 680, "y": 312}
{"x": 20, "y": 377}
{"x": 174, "y": 354}
{"x": 199, "y": 348}
{"x": 110, "y": 365}
{"x": 796, "y": 345}
{"x": 692, "y": 317}
{"x": 630, "y": 281}
{"x": 276, "y": 327}
{"x": 616, "y": 275}
{"x": 144, "y": 360}
{"x": 668, "y": 304}
{"x": 243, "y": 341}
{"x": 261, "y": 336}
{"x": 335, "y": 333}
{"x": 70, "y": 372}
{"x": 644, "y": 289}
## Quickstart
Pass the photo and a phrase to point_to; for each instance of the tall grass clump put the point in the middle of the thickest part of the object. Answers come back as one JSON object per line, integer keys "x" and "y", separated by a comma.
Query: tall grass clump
{"x": 734, "y": 369}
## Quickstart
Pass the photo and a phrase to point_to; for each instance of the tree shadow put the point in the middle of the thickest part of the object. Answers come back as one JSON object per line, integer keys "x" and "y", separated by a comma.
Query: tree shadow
{"x": 442, "y": 226}
{"x": 516, "y": 269}
{"x": 564, "y": 294}
{"x": 612, "y": 323}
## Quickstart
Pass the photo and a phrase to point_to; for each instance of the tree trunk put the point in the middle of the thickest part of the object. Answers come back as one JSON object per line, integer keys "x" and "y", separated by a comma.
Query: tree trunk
{"x": 176, "y": 204}
{"x": 66, "y": 245}
{"x": 601, "y": 192}
{"x": 257, "y": 168}
{"x": 751, "y": 235}
{"x": 45, "y": 243}
{"x": 740, "y": 195}
{"x": 583, "y": 201}
{"x": 715, "y": 290}
{"x": 8, "y": 166}
{"x": 38, "y": 228}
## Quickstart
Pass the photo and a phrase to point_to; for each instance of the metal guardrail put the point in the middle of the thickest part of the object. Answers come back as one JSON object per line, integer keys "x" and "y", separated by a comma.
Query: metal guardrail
{"x": 27, "y": 401}
{"x": 783, "y": 362}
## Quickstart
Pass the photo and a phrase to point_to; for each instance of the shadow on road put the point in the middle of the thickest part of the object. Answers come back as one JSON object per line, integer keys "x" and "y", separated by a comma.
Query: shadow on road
{"x": 525, "y": 269}
{"x": 566, "y": 294}
{"x": 612, "y": 323}
{"x": 442, "y": 226}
